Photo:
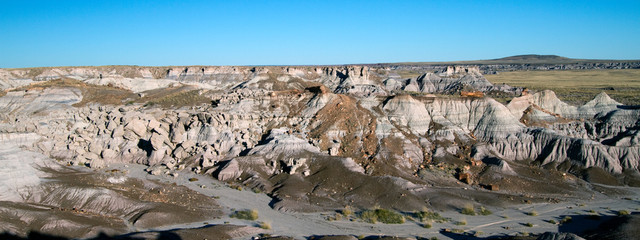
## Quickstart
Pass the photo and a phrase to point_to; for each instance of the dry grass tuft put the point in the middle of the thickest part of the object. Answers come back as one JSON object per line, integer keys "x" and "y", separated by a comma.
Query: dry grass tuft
{"x": 245, "y": 214}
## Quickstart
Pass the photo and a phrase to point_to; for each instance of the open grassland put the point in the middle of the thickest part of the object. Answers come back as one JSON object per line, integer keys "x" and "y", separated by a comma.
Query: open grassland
{"x": 578, "y": 86}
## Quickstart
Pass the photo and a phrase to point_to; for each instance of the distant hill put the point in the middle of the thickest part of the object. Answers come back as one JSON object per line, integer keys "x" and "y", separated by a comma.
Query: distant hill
{"x": 519, "y": 59}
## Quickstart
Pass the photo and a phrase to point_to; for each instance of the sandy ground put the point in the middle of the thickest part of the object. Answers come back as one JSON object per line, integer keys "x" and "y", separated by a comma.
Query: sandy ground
{"x": 508, "y": 221}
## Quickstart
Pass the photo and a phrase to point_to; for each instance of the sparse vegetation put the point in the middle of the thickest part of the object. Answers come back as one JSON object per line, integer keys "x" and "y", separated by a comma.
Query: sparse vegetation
{"x": 462, "y": 222}
{"x": 264, "y": 225}
{"x": 383, "y": 215}
{"x": 623, "y": 212}
{"x": 245, "y": 214}
{"x": 427, "y": 225}
{"x": 193, "y": 179}
{"x": 566, "y": 219}
{"x": 552, "y": 221}
{"x": 426, "y": 215}
{"x": 483, "y": 211}
{"x": 347, "y": 211}
{"x": 529, "y": 224}
{"x": 335, "y": 217}
{"x": 532, "y": 213}
{"x": 468, "y": 210}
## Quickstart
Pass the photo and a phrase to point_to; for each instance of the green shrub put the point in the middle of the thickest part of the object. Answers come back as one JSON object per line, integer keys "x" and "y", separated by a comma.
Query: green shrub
{"x": 532, "y": 213}
{"x": 369, "y": 216}
{"x": 428, "y": 215}
{"x": 565, "y": 219}
{"x": 382, "y": 215}
{"x": 245, "y": 214}
{"x": 485, "y": 212}
{"x": 468, "y": 210}
{"x": 346, "y": 211}
{"x": 529, "y": 224}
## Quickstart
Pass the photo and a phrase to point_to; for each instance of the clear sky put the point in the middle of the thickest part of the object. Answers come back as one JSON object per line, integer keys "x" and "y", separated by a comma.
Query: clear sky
{"x": 157, "y": 33}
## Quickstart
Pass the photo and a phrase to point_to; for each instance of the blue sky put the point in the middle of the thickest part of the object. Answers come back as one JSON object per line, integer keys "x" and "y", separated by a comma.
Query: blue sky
{"x": 160, "y": 33}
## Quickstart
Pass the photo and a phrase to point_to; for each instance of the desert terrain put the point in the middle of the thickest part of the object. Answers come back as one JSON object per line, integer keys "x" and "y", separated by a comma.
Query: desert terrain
{"x": 525, "y": 147}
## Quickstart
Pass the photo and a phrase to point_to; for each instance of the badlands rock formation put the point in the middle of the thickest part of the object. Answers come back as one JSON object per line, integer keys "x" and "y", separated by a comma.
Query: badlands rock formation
{"x": 316, "y": 138}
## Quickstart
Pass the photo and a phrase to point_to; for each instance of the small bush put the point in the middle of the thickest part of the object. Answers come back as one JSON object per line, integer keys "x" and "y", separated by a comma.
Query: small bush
{"x": 468, "y": 210}
{"x": 264, "y": 225}
{"x": 457, "y": 230}
{"x": 623, "y": 212}
{"x": 461, "y": 222}
{"x": 552, "y": 221}
{"x": 485, "y": 212}
{"x": 425, "y": 215}
{"x": 193, "y": 179}
{"x": 529, "y": 224}
{"x": 335, "y": 217}
{"x": 245, "y": 214}
{"x": 566, "y": 219}
{"x": 427, "y": 225}
{"x": 346, "y": 211}
{"x": 532, "y": 213}
{"x": 382, "y": 215}
{"x": 369, "y": 216}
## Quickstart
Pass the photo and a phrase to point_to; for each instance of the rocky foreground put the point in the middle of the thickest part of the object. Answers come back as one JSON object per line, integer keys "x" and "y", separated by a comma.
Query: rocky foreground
{"x": 314, "y": 139}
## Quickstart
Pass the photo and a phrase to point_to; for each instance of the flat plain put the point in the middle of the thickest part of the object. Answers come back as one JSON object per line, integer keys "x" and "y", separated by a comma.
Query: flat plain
{"x": 577, "y": 86}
